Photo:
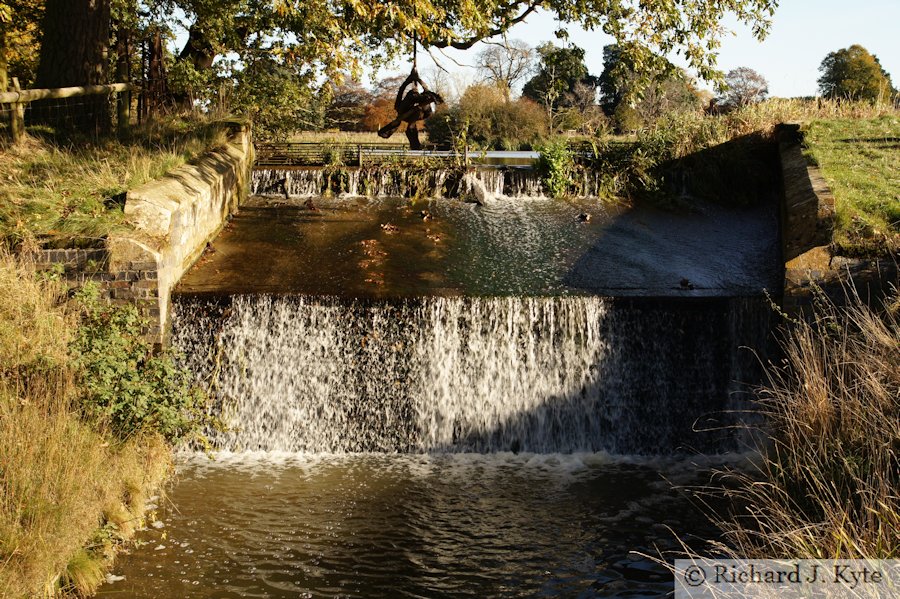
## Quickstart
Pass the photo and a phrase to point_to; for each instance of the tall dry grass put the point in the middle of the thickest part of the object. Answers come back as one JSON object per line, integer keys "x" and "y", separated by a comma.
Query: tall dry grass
{"x": 68, "y": 493}
{"x": 828, "y": 485}
{"x": 678, "y": 134}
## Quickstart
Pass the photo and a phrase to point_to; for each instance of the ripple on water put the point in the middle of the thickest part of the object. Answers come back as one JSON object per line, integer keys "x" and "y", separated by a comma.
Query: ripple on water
{"x": 367, "y": 525}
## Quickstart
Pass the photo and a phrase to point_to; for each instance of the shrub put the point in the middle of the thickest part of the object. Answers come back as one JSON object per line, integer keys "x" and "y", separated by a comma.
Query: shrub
{"x": 488, "y": 121}
{"x": 128, "y": 387}
{"x": 555, "y": 165}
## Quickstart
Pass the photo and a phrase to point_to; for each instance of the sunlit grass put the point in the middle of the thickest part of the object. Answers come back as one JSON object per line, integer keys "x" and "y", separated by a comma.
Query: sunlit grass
{"x": 69, "y": 193}
{"x": 860, "y": 159}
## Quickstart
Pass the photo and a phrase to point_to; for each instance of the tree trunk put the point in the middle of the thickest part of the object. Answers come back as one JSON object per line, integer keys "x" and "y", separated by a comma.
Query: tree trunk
{"x": 157, "y": 96}
{"x": 4, "y": 60}
{"x": 74, "y": 53}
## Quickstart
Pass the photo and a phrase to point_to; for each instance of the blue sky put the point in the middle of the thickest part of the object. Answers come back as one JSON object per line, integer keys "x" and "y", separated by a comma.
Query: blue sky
{"x": 803, "y": 32}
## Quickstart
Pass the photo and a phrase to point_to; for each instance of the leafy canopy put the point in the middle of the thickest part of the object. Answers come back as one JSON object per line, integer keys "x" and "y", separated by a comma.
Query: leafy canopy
{"x": 339, "y": 34}
{"x": 634, "y": 102}
{"x": 559, "y": 71}
{"x": 854, "y": 74}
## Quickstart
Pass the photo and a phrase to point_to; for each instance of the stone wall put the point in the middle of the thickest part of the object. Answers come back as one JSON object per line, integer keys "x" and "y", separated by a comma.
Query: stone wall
{"x": 172, "y": 219}
{"x": 808, "y": 208}
{"x": 806, "y": 232}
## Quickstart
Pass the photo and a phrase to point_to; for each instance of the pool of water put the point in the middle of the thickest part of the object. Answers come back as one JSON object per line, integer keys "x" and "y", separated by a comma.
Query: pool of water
{"x": 368, "y": 525}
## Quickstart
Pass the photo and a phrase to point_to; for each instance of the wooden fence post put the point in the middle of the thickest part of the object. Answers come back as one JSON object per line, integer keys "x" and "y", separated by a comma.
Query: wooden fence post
{"x": 123, "y": 73}
{"x": 123, "y": 112}
{"x": 17, "y": 115}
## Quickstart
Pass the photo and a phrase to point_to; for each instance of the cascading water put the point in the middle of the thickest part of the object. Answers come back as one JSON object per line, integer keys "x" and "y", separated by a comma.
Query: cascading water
{"x": 422, "y": 400}
{"x": 483, "y": 183}
{"x": 542, "y": 375}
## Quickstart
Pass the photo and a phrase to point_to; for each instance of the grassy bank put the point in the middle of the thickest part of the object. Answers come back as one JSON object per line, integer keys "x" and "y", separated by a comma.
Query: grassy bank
{"x": 64, "y": 193}
{"x": 88, "y": 411}
{"x": 829, "y": 482}
{"x": 854, "y": 143}
{"x": 860, "y": 159}
{"x": 75, "y": 473}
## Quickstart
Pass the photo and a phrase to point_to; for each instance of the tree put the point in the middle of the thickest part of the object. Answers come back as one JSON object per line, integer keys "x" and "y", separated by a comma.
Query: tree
{"x": 380, "y": 110}
{"x": 74, "y": 50}
{"x": 278, "y": 99}
{"x": 744, "y": 86}
{"x": 327, "y": 37}
{"x": 347, "y": 107}
{"x": 560, "y": 71}
{"x": 632, "y": 105}
{"x": 339, "y": 35}
{"x": 505, "y": 64}
{"x": 20, "y": 22}
{"x": 854, "y": 74}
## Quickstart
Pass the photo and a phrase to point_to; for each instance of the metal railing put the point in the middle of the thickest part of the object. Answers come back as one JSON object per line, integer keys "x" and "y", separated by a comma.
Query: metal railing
{"x": 325, "y": 153}
{"x": 299, "y": 154}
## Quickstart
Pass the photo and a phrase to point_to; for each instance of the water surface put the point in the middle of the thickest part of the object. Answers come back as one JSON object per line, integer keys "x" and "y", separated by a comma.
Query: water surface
{"x": 500, "y": 525}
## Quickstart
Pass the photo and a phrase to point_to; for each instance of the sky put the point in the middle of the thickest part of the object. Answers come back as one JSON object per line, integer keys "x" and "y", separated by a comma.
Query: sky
{"x": 802, "y": 34}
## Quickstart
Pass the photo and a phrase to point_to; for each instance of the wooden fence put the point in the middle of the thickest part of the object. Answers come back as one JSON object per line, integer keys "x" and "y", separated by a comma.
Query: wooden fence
{"x": 14, "y": 102}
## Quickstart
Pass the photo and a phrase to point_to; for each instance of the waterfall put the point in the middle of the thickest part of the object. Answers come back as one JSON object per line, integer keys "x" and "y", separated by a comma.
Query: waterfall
{"x": 550, "y": 374}
{"x": 484, "y": 183}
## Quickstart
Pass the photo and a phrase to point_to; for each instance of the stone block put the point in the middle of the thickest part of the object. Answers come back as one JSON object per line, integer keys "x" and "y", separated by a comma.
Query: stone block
{"x": 142, "y": 266}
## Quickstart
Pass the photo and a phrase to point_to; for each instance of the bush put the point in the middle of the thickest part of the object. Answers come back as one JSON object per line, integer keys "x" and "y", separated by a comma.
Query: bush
{"x": 488, "y": 121}
{"x": 128, "y": 387}
{"x": 555, "y": 165}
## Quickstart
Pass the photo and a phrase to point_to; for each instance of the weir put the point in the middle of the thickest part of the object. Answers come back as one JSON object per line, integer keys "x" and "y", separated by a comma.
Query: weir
{"x": 359, "y": 326}
{"x": 463, "y": 389}
{"x": 386, "y": 181}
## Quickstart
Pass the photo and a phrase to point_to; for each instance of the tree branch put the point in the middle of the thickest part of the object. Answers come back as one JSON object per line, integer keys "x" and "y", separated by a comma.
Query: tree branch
{"x": 466, "y": 44}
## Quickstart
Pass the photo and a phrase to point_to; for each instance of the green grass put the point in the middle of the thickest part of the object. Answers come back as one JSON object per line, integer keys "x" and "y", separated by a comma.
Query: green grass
{"x": 63, "y": 194}
{"x": 860, "y": 160}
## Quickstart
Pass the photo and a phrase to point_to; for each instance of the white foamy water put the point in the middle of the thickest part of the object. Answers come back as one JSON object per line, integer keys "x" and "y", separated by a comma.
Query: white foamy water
{"x": 485, "y": 184}
{"x": 539, "y": 375}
